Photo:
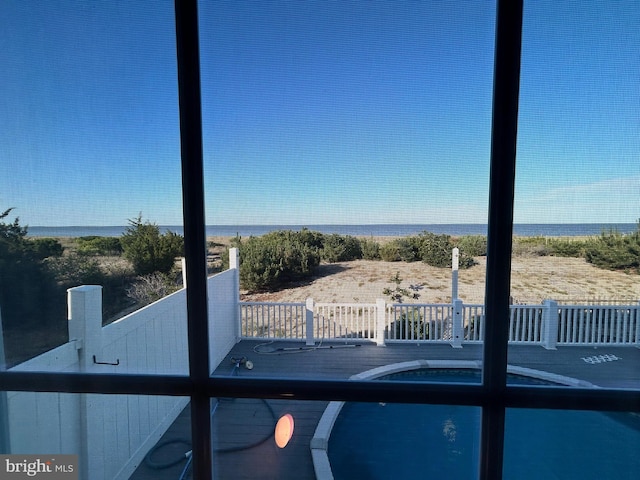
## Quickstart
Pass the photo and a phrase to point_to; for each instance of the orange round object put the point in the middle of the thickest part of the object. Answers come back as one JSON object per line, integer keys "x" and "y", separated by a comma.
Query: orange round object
{"x": 284, "y": 430}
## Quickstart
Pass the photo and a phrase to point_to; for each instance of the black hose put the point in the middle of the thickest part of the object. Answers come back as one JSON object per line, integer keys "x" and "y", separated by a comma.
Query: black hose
{"x": 151, "y": 463}
{"x": 258, "y": 442}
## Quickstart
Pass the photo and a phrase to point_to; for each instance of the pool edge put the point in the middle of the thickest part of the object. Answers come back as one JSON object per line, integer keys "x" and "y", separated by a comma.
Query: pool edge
{"x": 320, "y": 440}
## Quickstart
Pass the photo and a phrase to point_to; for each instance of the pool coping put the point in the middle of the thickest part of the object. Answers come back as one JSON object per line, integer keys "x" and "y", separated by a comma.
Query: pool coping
{"x": 320, "y": 441}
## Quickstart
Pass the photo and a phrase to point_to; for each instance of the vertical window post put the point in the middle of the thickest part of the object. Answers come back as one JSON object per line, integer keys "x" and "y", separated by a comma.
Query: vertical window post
{"x": 187, "y": 45}
{"x": 506, "y": 88}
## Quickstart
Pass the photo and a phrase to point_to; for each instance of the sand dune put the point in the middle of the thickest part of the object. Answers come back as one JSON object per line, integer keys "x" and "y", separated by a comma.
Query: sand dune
{"x": 533, "y": 280}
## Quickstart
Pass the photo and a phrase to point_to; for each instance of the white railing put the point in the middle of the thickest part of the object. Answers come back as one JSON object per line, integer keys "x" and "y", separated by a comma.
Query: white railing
{"x": 420, "y": 322}
{"x": 473, "y": 323}
{"x": 525, "y": 323}
{"x": 596, "y": 325}
{"x": 273, "y": 320}
{"x": 345, "y": 320}
{"x": 548, "y": 324}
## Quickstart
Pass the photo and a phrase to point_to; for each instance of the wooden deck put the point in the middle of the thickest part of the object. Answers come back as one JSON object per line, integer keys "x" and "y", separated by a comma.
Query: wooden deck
{"x": 238, "y": 423}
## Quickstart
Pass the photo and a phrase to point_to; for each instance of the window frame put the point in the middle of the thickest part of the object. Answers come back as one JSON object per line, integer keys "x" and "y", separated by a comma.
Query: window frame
{"x": 494, "y": 396}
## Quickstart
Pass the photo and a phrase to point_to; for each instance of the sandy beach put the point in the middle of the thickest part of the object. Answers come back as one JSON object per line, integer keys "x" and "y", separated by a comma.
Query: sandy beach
{"x": 533, "y": 279}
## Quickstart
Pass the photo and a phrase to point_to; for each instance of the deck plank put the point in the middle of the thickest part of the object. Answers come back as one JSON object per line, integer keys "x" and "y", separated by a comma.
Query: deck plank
{"x": 241, "y": 422}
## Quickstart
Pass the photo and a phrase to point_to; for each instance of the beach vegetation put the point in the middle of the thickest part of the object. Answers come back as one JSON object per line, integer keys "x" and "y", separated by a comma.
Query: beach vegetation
{"x": 25, "y": 277}
{"x": 390, "y": 251}
{"x": 615, "y": 251}
{"x": 148, "y": 250}
{"x": 530, "y": 246}
{"x": 146, "y": 289}
{"x": 268, "y": 261}
{"x": 563, "y": 247}
{"x": 73, "y": 270}
{"x": 370, "y": 249}
{"x": 96, "y": 245}
{"x": 435, "y": 250}
{"x": 472, "y": 245}
{"x": 47, "y": 247}
{"x": 340, "y": 248}
{"x": 398, "y": 294}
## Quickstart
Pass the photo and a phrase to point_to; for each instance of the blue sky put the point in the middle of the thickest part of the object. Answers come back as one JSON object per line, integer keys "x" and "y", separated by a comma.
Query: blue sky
{"x": 316, "y": 112}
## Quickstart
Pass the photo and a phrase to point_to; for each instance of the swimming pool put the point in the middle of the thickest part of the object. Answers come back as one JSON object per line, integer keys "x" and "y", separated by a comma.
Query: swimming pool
{"x": 403, "y": 441}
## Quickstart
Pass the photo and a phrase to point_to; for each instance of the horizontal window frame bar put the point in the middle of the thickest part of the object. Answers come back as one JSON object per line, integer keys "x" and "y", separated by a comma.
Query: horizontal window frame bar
{"x": 514, "y": 396}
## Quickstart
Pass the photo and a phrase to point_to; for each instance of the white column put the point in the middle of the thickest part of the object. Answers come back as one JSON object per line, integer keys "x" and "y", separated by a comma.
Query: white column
{"x": 455, "y": 257}
{"x": 381, "y": 320}
{"x": 183, "y": 262}
{"x": 550, "y": 322}
{"x": 234, "y": 264}
{"x": 638, "y": 325}
{"x": 85, "y": 328}
{"x": 84, "y": 308}
{"x": 309, "y": 322}
{"x": 457, "y": 327}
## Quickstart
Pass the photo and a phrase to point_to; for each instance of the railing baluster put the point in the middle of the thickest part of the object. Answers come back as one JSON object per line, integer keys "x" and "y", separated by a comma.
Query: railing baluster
{"x": 578, "y": 324}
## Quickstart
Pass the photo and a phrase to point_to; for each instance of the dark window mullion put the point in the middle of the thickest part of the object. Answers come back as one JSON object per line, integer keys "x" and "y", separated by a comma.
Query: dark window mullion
{"x": 188, "y": 55}
{"x": 506, "y": 84}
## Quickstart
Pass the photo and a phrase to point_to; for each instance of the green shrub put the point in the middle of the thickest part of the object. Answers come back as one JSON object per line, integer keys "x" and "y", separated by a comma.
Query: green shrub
{"x": 46, "y": 247}
{"x": 560, "y": 247}
{"x": 268, "y": 261}
{"x": 472, "y": 245}
{"x": 409, "y": 249}
{"x": 148, "y": 250}
{"x": 94, "y": 245}
{"x": 340, "y": 248}
{"x": 615, "y": 251}
{"x": 435, "y": 250}
{"x": 390, "y": 251}
{"x": 370, "y": 249}
{"x": 30, "y": 297}
{"x": 432, "y": 249}
{"x": 74, "y": 270}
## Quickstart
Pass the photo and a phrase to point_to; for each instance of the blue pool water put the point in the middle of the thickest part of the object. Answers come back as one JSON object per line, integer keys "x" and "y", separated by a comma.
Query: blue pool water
{"x": 403, "y": 441}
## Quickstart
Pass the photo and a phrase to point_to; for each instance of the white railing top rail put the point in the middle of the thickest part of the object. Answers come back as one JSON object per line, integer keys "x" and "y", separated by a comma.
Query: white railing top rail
{"x": 419, "y": 305}
{"x": 599, "y": 307}
{"x": 352, "y": 305}
{"x": 284, "y": 304}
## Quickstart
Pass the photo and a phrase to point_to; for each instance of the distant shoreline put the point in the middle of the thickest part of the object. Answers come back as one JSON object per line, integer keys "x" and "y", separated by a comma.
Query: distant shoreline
{"x": 381, "y": 230}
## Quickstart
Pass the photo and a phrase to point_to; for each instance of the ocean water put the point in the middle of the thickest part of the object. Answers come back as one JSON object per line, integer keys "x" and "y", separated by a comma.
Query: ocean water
{"x": 381, "y": 230}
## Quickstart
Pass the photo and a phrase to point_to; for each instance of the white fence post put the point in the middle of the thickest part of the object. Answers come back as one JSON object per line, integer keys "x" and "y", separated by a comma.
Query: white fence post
{"x": 455, "y": 256}
{"x": 381, "y": 321}
{"x": 309, "y": 322}
{"x": 85, "y": 322}
{"x": 183, "y": 263}
{"x": 85, "y": 328}
{"x": 234, "y": 264}
{"x": 457, "y": 327}
{"x": 550, "y": 323}
{"x": 638, "y": 325}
